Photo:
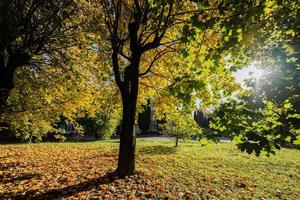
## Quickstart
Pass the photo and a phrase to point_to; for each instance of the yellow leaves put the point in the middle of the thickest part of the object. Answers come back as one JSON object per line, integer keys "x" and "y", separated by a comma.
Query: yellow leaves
{"x": 82, "y": 86}
{"x": 132, "y": 198}
{"x": 287, "y": 105}
{"x": 269, "y": 6}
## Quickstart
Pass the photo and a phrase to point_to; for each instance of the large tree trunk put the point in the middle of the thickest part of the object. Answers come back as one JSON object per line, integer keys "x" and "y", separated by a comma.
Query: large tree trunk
{"x": 129, "y": 93}
{"x": 126, "y": 162}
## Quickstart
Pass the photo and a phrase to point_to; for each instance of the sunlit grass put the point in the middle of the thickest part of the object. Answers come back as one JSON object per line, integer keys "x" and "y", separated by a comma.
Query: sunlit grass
{"x": 223, "y": 171}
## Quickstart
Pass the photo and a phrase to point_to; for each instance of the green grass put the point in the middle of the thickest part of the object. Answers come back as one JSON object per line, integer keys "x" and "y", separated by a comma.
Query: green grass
{"x": 215, "y": 171}
{"x": 221, "y": 170}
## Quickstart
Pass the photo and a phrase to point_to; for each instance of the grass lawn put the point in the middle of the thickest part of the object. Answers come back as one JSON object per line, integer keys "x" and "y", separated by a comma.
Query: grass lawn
{"x": 78, "y": 171}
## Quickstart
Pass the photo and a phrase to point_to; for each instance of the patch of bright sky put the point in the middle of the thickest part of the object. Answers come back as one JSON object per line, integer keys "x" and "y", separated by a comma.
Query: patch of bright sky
{"x": 241, "y": 75}
{"x": 247, "y": 72}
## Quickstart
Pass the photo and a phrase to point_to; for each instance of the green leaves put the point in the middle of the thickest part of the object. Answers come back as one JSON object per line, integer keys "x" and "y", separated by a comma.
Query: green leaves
{"x": 255, "y": 131}
{"x": 268, "y": 117}
{"x": 180, "y": 125}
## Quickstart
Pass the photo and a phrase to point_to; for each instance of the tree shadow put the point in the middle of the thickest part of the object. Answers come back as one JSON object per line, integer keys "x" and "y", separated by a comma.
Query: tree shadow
{"x": 65, "y": 191}
{"x": 4, "y": 179}
{"x": 6, "y": 166}
{"x": 4, "y": 157}
{"x": 158, "y": 149}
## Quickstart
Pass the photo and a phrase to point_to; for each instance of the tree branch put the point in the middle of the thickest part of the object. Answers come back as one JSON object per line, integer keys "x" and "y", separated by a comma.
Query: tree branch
{"x": 156, "y": 57}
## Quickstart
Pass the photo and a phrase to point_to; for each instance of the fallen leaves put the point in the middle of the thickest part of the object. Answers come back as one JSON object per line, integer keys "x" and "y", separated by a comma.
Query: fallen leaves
{"x": 79, "y": 171}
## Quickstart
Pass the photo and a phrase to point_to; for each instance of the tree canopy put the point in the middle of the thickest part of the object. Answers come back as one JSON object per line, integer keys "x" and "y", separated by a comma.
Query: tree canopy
{"x": 34, "y": 33}
{"x": 267, "y": 115}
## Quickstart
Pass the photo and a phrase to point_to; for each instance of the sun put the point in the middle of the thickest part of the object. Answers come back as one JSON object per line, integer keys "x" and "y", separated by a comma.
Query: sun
{"x": 252, "y": 71}
{"x": 255, "y": 71}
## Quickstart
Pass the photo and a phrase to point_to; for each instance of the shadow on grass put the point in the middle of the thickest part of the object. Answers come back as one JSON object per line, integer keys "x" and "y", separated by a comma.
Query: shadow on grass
{"x": 156, "y": 150}
{"x": 6, "y": 166}
{"x": 16, "y": 178}
{"x": 62, "y": 192}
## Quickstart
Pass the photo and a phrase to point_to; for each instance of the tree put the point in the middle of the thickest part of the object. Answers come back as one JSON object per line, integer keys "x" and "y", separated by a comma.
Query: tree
{"x": 41, "y": 98}
{"x": 175, "y": 51}
{"x": 180, "y": 125}
{"x": 107, "y": 122}
{"x": 142, "y": 34}
{"x": 267, "y": 115}
{"x": 69, "y": 85}
{"x": 32, "y": 33}
{"x": 39, "y": 101}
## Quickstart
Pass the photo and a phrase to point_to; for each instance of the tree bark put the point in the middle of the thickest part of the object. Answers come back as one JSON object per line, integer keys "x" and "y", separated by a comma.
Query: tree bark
{"x": 129, "y": 93}
{"x": 126, "y": 162}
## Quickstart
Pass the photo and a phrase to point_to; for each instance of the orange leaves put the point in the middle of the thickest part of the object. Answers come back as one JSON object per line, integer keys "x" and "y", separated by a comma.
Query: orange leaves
{"x": 46, "y": 167}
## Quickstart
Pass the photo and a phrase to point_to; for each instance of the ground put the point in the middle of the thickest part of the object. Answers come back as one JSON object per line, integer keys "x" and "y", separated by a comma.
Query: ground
{"x": 191, "y": 171}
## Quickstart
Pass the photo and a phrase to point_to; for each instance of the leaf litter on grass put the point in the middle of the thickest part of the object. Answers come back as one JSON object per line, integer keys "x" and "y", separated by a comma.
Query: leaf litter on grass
{"x": 80, "y": 171}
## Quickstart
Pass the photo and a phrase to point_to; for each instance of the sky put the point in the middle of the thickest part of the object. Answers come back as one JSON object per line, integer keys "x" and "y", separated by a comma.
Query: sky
{"x": 244, "y": 73}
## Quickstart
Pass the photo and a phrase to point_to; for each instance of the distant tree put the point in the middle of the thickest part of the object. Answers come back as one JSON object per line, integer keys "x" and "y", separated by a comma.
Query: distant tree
{"x": 38, "y": 102}
{"x": 106, "y": 122}
{"x": 180, "y": 126}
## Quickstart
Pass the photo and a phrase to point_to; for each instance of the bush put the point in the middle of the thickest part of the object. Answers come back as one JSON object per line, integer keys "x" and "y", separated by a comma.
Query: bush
{"x": 106, "y": 122}
{"x": 31, "y": 130}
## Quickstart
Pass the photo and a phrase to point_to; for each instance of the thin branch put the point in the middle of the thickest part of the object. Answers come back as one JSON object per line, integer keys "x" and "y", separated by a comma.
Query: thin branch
{"x": 156, "y": 57}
